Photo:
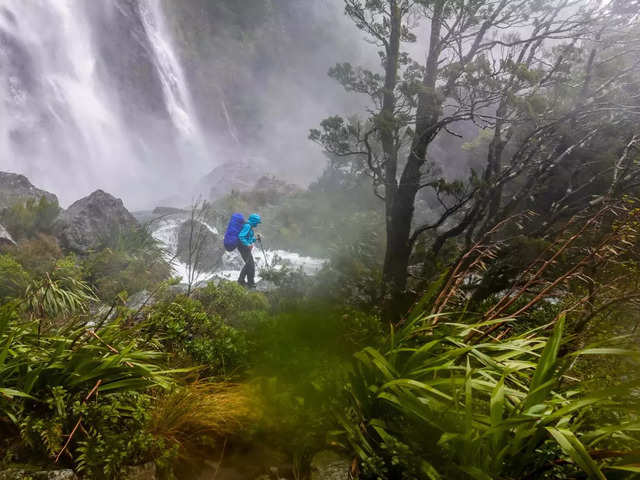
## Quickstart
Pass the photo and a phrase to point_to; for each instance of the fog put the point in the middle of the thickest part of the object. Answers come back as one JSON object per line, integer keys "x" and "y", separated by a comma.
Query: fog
{"x": 114, "y": 94}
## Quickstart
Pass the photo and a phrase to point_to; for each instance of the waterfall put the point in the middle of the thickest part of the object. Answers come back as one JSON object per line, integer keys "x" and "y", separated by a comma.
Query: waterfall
{"x": 92, "y": 95}
{"x": 174, "y": 85}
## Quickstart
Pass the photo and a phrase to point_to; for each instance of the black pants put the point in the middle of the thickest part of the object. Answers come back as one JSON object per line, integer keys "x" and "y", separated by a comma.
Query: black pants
{"x": 249, "y": 270}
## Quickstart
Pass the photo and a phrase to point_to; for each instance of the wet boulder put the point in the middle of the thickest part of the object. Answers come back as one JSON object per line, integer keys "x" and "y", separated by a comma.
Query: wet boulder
{"x": 200, "y": 246}
{"x": 92, "y": 221}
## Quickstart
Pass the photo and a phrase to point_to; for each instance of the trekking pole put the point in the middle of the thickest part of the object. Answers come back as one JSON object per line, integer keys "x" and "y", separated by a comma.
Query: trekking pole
{"x": 264, "y": 254}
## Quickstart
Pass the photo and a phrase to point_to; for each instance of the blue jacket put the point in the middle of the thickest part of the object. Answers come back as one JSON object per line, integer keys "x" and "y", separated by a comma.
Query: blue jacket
{"x": 246, "y": 235}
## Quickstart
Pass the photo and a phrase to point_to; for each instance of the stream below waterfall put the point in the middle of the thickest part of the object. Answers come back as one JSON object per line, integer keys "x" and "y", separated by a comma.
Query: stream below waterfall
{"x": 166, "y": 230}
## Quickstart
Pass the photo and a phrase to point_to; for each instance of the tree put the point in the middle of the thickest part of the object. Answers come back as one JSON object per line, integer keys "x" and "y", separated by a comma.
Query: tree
{"x": 193, "y": 247}
{"x": 522, "y": 73}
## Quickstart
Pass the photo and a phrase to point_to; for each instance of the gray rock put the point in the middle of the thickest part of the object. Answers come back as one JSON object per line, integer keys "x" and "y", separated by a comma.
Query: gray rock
{"x": 330, "y": 465}
{"x": 16, "y": 188}
{"x": 87, "y": 223}
{"x": 147, "y": 471}
{"x": 20, "y": 474}
{"x": 61, "y": 475}
{"x": 200, "y": 244}
{"x": 5, "y": 237}
{"x": 141, "y": 299}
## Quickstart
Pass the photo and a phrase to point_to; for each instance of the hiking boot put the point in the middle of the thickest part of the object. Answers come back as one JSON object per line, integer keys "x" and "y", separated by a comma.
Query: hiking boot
{"x": 251, "y": 285}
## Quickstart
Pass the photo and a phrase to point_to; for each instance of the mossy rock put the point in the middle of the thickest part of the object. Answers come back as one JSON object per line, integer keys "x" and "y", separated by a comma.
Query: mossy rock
{"x": 34, "y": 474}
{"x": 330, "y": 465}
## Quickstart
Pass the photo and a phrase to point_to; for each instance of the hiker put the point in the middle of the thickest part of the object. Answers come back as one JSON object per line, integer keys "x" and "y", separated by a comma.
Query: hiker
{"x": 246, "y": 239}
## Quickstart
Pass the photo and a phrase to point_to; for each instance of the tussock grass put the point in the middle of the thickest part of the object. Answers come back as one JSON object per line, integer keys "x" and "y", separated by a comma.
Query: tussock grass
{"x": 192, "y": 416}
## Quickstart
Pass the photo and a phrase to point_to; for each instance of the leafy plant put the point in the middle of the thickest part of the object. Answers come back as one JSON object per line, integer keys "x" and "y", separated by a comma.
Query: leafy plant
{"x": 54, "y": 297}
{"x": 434, "y": 404}
{"x": 127, "y": 261}
{"x": 187, "y": 330}
{"x": 79, "y": 392}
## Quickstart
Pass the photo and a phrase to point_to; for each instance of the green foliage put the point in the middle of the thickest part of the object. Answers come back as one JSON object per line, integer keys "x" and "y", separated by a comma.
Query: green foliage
{"x": 13, "y": 278}
{"x": 73, "y": 358}
{"x": 68, "y": 374}
{"x": 27, "y": 219}
{"x": 433, "y": 404}
{"x": 58, "y": 296}
{"x": 232, "y": 303}
{"x": 353, "y": 274}
{"x": 186, "y": 329}
{"x": 115, "y": 432}
{"x": 129, "y": 261}
{"x": 38, "y": 255}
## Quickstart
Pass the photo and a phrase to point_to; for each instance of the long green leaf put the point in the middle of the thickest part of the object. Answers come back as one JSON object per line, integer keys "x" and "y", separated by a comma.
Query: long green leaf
{"x": 546, "y": 367}
{"x": 497, "y": 408}
{"x": 577, "y": 452}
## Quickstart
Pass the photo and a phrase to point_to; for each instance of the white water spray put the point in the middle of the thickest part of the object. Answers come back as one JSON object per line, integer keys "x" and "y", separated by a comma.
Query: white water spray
{"x": 177, "y": 95}
{"x": 62, "y": 119}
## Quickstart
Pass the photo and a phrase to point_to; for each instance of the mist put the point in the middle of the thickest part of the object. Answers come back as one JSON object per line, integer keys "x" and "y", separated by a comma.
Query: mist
{"x": 143, "y": 99}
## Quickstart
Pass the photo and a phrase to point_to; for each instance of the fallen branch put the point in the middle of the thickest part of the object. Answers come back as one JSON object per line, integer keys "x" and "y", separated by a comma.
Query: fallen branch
{"x": 93, "y": 392}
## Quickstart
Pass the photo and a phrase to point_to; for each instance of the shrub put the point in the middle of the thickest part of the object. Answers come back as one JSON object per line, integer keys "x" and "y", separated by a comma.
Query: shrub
{"x": 353, "y": 274}
{"x": 112, "y": 272}
{"x": 27, "y": 219}
{"x": 230, "y": 301}
{"x": 67, "y": 379}
{"x": 115, "y": 432}
{"x": 186, "y": 329}
{"x": 38, "y": 255}
{"x": 13, "y": 278}
{"x": 57, "y": 298}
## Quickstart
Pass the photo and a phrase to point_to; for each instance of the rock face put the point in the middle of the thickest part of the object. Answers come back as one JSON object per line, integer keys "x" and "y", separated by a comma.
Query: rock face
{"x": 205, "y": 245}
{"x": 330, "y": 465}
{"x": 91, "y": 220}
{"x": 5, "y": 237}
{"x": 16, "y": 188}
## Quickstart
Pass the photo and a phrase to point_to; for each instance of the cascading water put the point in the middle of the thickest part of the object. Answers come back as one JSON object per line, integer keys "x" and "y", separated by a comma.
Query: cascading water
{"x": 178, "y": 97}
{"x": 166, "y": 229}
{"x": 78, "y": 101}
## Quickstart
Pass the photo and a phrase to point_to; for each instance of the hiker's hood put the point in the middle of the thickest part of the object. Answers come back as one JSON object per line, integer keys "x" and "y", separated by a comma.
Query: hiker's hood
{"x": 254, "y": 220}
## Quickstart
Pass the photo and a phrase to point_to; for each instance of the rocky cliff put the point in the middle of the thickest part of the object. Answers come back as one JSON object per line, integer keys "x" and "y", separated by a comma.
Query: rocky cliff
{"x": 18, "y": 189}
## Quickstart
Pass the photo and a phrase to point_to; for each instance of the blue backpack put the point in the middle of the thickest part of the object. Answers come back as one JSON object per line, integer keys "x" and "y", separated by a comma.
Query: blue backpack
{"x": 231, "y": 239}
